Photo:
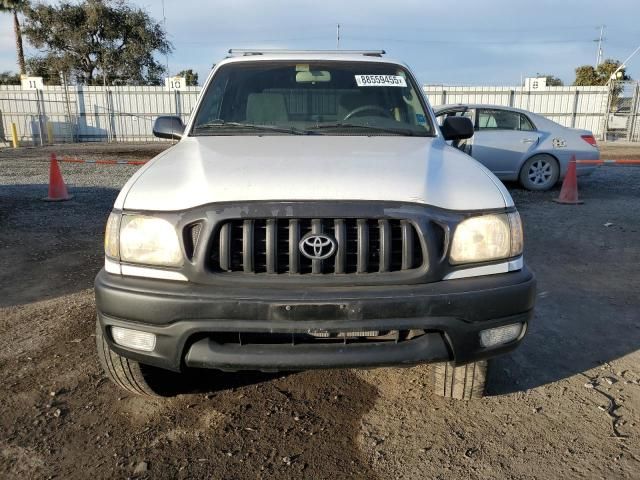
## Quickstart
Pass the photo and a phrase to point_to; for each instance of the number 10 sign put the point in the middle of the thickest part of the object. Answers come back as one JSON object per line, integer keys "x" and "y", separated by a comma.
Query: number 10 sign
{"x": 175, "y": 83}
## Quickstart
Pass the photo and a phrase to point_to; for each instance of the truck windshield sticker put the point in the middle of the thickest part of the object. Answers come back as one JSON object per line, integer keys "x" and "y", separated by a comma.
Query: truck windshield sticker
{"x": 380, "y": 81}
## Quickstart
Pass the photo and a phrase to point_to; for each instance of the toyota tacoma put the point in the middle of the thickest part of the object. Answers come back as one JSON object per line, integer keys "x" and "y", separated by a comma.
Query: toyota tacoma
{"x": 312, "y": 216}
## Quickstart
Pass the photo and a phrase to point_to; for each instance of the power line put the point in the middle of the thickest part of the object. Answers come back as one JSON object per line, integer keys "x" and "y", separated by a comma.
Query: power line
{"x": 465, "y": 42}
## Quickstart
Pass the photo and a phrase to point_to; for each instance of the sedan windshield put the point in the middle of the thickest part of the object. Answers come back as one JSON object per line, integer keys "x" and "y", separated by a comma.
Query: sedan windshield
{"x": 312, "y": 98}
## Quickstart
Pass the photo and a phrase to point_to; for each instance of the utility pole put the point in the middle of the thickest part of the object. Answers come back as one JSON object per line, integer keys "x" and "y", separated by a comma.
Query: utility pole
{"x": 600, "y": 40}
{"x": 338, "y": 37}
{"x": 164, "y": 25}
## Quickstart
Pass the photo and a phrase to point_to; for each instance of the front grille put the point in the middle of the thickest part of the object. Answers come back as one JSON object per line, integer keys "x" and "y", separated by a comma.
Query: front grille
{"x": 271, "y": 245}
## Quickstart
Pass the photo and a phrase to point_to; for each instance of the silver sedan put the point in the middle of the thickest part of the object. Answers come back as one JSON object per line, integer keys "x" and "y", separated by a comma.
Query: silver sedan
{"x": 522, "y": 146}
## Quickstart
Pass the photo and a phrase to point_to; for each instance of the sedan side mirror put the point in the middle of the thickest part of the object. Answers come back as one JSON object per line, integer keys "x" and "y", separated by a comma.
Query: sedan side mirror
{"x": 168, "y": 127}
{"x": 457, "y": 128}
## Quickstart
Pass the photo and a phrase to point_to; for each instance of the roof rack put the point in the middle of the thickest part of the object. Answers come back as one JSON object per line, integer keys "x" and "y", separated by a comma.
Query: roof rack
{"x": 239, "y": 52}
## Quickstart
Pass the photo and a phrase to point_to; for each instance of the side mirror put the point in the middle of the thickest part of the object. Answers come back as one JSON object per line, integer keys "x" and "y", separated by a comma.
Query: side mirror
{"x": 168, "y": 127}
{"x": 457, "y": 128}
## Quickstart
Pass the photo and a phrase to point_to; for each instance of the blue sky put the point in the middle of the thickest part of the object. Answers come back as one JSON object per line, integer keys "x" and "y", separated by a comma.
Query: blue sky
{"x": 455, "y": 42}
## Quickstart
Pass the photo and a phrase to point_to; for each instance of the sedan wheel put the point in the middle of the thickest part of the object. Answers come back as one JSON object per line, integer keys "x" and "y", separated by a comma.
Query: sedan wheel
{"x": 539, "y": 173}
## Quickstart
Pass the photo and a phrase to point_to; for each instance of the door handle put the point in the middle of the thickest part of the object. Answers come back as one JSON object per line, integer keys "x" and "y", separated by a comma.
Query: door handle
{"x": 529, "y": 140}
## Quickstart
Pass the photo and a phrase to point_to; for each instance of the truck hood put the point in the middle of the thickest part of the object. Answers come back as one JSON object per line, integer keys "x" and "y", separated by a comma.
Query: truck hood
{"x": 202, "y": 170}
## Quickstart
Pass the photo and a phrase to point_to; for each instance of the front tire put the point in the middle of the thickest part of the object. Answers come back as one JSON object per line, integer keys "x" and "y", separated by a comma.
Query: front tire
{"x": 129, "y": 375}
{"x": 463, "y": 382}
{"x": 540, "y": 172}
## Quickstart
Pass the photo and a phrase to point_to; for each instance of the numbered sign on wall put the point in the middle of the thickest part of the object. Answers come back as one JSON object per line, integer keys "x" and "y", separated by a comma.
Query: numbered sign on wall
{"x": 175, "y": 83}
{"x": 31, "y": 83}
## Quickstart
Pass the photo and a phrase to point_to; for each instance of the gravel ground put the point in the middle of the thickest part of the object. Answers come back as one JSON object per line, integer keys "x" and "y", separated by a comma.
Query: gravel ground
{"x": 566, "y": 404}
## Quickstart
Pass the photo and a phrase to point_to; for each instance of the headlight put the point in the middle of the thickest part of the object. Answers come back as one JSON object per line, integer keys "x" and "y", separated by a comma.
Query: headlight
{"x": 112, "y": 236}
{"x": 142, "y": 239}
{"x": 487, "y": 237}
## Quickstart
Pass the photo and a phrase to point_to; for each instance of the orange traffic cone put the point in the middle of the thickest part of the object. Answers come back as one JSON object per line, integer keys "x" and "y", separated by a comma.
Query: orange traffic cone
{"x": 57, "y": 188}
{"x": 569, "y": 190}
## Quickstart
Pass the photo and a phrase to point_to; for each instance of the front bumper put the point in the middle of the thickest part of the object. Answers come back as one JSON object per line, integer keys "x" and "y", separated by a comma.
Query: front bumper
{"x": 187, "y": 319}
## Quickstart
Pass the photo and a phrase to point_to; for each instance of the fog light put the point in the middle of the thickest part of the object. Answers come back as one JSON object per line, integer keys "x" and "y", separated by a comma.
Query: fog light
{"x": 135, "y": 339}
{"x": 500, "y": 335}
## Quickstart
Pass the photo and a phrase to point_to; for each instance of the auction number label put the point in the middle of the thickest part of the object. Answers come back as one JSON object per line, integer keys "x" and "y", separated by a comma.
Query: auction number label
{"x": 31, "y": 83}
{"x": 175, "y": 83}
{"x": 380, "y": 81}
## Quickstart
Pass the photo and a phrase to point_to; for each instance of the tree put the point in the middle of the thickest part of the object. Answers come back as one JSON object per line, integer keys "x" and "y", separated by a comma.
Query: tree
{"x": 190, "y": 76}
{"x": 587, "y": 75}
{"x": 14, "y": 7}
{"x": 97, "y": 41}
{"x": 8, "y": 78}
{"x": 552, "y": 80}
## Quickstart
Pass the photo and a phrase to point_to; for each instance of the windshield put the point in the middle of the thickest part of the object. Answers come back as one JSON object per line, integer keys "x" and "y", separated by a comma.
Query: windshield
{"x": 312, "y": 98}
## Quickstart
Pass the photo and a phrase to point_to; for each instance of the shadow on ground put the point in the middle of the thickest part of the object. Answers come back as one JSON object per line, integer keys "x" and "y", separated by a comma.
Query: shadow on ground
{"x": 586, "y": 260}
{"x": 48, "y": 249}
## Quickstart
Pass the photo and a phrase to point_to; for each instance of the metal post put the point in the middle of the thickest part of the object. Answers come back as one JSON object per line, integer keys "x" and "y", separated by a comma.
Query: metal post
{"x": 633, "y": 113}
{"x": 575, "y": 109}
{"x": 40, "y": 124}
{"x": 605, "y": 125}
{"x": 106, "y": 102}
{"x": 109, "y": 114}
{"x": 68, "y": 104}
{"x": 50, "y": 139}
{"x": 14, "y": 135}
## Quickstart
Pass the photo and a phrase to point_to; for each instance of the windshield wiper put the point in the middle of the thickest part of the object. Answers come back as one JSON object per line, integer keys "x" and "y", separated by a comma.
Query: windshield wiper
{"x": 397, "y": 131}
{"x": 252, "y": 126}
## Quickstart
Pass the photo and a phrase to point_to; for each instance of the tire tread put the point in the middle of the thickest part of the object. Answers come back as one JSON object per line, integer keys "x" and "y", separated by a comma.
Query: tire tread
{"x": 464, "y": 382}
{"x": 126, "y": 374}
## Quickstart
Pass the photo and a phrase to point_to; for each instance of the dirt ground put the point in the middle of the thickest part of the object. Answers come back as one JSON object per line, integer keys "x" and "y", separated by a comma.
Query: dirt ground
{"x": 566, "y": 404}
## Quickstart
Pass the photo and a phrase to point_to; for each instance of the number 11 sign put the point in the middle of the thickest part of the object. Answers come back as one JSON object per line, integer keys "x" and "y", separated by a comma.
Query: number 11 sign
{"x": 31, "y": 83}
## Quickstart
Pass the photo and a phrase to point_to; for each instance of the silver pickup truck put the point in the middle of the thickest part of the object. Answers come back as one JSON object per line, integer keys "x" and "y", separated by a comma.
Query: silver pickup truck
{"x": 312, "y": 215}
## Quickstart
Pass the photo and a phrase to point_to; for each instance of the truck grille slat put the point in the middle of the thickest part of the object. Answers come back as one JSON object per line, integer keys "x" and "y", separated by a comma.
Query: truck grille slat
{"x": 247, "y": 246}
{"x": 294, "y": 252}
{"x": 385, "y": 245}
{"x": 363, "y": 246}
{"x": 225, "y": 247}
{"x": 407, "y": 245}
{"x": 340, "y": 263}
{"x": 272, "y": 246}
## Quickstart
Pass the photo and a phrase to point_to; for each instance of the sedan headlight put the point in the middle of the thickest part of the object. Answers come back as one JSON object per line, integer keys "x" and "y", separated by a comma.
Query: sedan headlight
{"x": 487, "y": 237}
{"x": 142, "y": 239}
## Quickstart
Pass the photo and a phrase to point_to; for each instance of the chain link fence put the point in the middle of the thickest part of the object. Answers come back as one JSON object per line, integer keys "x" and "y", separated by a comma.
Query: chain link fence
{"x": 57, "y": 114}
{"x": 622, "y": 121}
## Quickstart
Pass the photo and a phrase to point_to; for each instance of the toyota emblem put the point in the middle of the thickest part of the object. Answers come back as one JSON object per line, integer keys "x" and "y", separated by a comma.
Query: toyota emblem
{"x": 317, "y": 246}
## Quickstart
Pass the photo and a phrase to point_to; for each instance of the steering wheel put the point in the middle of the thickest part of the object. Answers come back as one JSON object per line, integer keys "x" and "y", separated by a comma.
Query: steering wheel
{"x": 367, "y": 108}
